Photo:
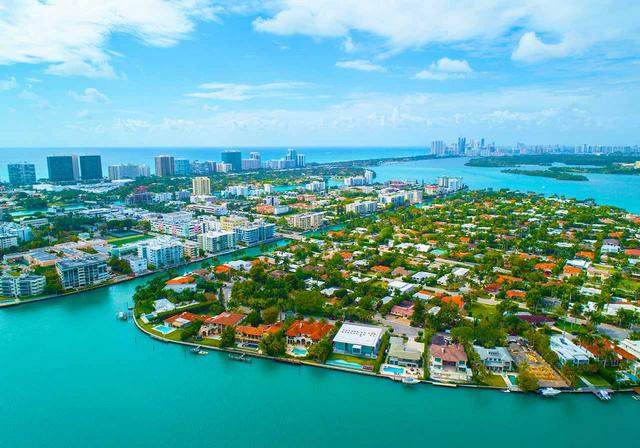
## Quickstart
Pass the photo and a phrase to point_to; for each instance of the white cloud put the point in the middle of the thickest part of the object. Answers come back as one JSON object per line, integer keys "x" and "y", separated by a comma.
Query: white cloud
{"x": 406, "y": 24}
{"x": 244, "y": 92}
{"x": 72, "y": 36}
{"x": 348, "y": 46}
{"x": 90, "y": 95}
{"x": 362, "y": 65}
{"x": 445, "y": 68}
{"x": 531, "y": 49}
{"x": 8, "y": 84}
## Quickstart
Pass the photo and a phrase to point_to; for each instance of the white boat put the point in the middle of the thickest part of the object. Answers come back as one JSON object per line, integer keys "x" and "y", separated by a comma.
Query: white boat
{"x": 409, "y": 380}
{"x": 549, "y": 392}
{"x": 602, "y": 394}
{"x": 203, "y": 352}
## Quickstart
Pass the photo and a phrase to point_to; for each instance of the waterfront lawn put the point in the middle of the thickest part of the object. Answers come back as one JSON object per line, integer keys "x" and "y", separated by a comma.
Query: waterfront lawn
{"x": 128, "y": 239}
{"x": 495, "y": 381}
{"x": 208, "y": 342}
{"x": 348, "y": 358}
{"x": 595, "y": 379}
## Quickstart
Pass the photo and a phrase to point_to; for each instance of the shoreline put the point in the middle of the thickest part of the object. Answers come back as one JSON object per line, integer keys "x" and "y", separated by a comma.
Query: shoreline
{"x": 18, "y": 302}
{"x": 303, "y": 363}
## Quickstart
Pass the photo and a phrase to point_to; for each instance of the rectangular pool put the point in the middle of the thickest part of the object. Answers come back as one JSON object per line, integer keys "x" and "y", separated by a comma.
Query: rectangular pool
{"x": 299, "y": 351}
{"x": 394, "y": 370}
{"x": 342, "y": 363}
{"x": 164, "y": 329}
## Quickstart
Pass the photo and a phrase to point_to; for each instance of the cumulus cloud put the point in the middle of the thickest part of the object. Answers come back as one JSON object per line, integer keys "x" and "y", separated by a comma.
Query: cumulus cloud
{"x": 362, "y": 65}
{"x": 244, "y": 92}
{"x": 531, "y": 49}
{"x": 445, "y": 68}
{"x": 72, "y": 36}
{"x": 406, "y": 24}
{"x": 90, "y": 95}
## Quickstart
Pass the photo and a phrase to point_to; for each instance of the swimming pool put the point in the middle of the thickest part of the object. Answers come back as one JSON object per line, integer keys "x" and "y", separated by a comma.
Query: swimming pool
{"x": 164, "y": 329}
{"x": 394, "y": 370}
{"x": 513, "y": 380}
{"x": 299, "y": 351}
{"x": 342, "y": 363}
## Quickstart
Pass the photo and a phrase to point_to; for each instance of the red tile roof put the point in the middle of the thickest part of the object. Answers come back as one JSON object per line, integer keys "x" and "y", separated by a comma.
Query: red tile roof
{"x": 312, "y": 330}
{"x": 225, "y": 319}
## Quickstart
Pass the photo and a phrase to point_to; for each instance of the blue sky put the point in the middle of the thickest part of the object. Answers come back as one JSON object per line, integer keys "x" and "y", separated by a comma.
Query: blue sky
{"x": 317, "y": 72}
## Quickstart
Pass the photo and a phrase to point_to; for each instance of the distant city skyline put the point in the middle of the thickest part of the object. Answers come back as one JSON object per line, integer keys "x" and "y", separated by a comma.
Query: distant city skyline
{"x": 317, "y": 73}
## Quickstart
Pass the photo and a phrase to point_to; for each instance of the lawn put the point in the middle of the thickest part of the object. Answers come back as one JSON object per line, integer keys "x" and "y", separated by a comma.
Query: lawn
{"x": 128, "y": 239}
{"x": 480, "y": 310}
{"x": 571, "y": 328}
{"x": 495, "y": 381}
{"x": 596, "y": 380}
{"x": 361, "y": 361}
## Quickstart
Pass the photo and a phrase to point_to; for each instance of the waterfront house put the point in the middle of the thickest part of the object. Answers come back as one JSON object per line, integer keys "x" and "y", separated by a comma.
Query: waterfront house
{"x": 247, "y": 334}
{"x": 608, "y": 353}
{"x": 448, "y": 361}
{"x": 402, "y": 355}
{"x": 568, "y": 352}
{"x": 163, "y": 305}
{"x": 358, "y": 340}
{"x": 495, "y": 359}
{"x": 181, "y": 283}
{"x": 182, "y": 320}
{"x": 214, "y": 325}
{"x": 302, "y": 332}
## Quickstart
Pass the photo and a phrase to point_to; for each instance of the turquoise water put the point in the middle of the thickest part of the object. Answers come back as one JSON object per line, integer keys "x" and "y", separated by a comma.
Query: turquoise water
{"x": 299, "y": 351}
{"x": 71, "y": 375}
{"x": 394, "y": 370}
{"x": 610, "y": 189}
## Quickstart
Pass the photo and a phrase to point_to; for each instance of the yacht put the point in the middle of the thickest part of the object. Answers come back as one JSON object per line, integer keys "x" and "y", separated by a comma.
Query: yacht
{"x": 549, "y": 392}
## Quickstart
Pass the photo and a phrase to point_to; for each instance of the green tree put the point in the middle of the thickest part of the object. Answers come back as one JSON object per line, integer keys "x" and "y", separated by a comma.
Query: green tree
{"x": 527, "y": 381}
{"x": 228, "y": 336}
{"x": 270, "y": 315}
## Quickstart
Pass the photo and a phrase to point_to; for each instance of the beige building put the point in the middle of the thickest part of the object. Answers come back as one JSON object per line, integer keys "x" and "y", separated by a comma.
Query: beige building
{"x": 306, "y": 221}
{"x": 228, "y": 223}
{"x": 201, "y": 186}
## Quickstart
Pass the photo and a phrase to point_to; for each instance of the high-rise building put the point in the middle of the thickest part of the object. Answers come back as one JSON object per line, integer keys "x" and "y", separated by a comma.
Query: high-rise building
{"x": 437, "y": 148}
{"x": 292, "y": 155}
{"x": 90, "y": 167}
{"x": 181, "y": 167}
{"x": 22, "y": 173}
{"x": 63, "y": 168}
{"x": 128, "y": 171}
{"x": 255, "y": 156}
{"x": 301, "y": 161}
{"x": 165, "y": 166}
{"x": 462, "y": 145}
{"x": 84, "y": 271}
{"x": 201, "y": 186}
{"x": 233, "y": 158}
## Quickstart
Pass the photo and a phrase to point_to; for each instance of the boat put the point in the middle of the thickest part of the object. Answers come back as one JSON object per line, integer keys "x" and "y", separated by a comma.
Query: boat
{"x": 636, "y": 397}
{"x": 410, "y": 381}
{"x": 241, "y": 358}
{"x": 602, "y": 394}
{"x": 195, "y": 350}
{"x": 549, "y": 392}
{"x": 202, "y": 352}
{"x": 122, "y": 315}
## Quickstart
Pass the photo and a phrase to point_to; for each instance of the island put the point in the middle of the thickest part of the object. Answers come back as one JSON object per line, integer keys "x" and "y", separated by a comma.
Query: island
{"x": 552, "y": 174}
